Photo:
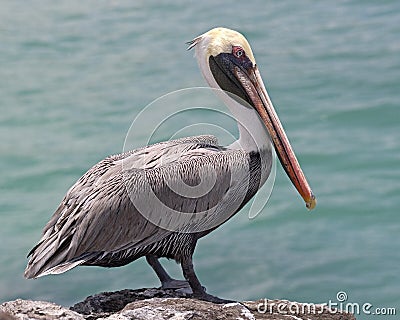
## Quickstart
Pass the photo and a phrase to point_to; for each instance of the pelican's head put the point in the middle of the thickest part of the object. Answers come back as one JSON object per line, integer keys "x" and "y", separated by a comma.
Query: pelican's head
{"x": 227, "y": 62}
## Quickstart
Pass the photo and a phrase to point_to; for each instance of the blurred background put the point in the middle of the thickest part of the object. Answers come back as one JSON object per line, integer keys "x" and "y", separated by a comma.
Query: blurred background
{"x": 74, "y": 75}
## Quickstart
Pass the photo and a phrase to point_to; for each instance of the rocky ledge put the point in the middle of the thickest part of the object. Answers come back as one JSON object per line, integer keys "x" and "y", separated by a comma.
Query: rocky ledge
{"x": 158, "y": 304}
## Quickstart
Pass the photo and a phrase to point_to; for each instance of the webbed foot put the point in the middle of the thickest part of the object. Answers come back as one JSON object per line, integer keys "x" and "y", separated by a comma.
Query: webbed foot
{"x": 210, "y": 298}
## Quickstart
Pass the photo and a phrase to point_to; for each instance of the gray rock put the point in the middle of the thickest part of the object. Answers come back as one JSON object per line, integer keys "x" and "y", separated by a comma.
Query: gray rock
{"x": 158, "y": 304}
{"x": 28, "y": 309}
{"x": 106, "y": 303}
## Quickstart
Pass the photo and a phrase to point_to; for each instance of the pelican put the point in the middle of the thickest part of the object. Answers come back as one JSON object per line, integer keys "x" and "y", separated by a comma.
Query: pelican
{"x": 158, "y": 200}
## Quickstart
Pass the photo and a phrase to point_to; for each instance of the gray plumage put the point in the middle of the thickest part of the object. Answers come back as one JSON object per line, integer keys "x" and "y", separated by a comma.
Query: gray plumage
{"x": 157, "y": 201}
{"x": 108, "y": 217}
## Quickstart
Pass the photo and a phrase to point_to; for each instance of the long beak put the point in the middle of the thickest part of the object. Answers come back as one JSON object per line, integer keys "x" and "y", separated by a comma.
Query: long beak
{"x": 252, "y": 83}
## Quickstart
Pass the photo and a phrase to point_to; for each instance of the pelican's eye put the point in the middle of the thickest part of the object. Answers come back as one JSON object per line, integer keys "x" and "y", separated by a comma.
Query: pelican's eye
{"x": 238, "y": 52}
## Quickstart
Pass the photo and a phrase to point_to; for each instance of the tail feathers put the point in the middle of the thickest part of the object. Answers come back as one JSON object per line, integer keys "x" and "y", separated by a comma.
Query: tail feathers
{"x": 51, "y": 257}
{"x": 61, "y": 268}
{"x": 34, "y": 271}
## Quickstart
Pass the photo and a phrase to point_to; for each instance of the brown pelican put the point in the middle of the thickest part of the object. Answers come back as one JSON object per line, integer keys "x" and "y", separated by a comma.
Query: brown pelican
{"x": 157, "y": 201}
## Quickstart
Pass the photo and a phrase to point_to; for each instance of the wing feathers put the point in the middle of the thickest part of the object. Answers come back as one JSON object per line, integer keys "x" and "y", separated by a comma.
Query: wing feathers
{"x": 98, "y": 217}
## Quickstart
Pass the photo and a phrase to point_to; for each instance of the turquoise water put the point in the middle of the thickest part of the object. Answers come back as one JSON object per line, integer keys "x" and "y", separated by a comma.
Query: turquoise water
{"x": 74, "y": 75}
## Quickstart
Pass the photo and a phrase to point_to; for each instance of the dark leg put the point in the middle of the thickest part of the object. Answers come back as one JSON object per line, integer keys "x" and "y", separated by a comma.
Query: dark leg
{"x": 166, "y": 281}
{"x": 198, "y": 290}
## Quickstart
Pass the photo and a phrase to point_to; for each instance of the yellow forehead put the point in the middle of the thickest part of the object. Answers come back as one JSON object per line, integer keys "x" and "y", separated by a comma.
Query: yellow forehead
{"x": 219, "y": 40}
